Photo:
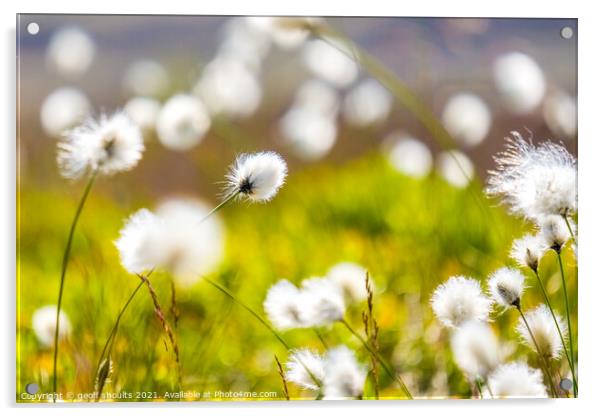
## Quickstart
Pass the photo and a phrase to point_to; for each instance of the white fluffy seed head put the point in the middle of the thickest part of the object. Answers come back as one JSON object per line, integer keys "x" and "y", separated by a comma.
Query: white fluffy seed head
{"x": 330, "y": 61}
{"x": 467, "y": 118}
{"x": 527, "y": 251}
{"x": 182, "y": 122}
{"x": 257, "y": 176}
{"x": 110, "y": 145}
{"x": 43, "y": 323}
{"x": 324, "y": 301}
{"x": 310, "y": 132}
{"x": 408, "y": 155}
{"x": 298, "y": 364}
{"x": 176, "y": 238}
{"x": 517, "y": 380}
{"x": 146, "y": 78}
{"x": 368, "y": 103}
{"x": 544, "y": 331}
{"x": 534, "y": 181}
{"x": 476, "y": 350}
{"x": 520, "y": 81}
{"x": 351, "y": 279}
{"x": 560, "y": 114}
{"x": 70, "y": 52}
{"x": 63, "y": 109}
{"x": 506, "y": 286}
{"x": 284, "y": 305}
{"x": 144, "y": 112}
{"x": 344, "y": 376}
{"x": 455, "y": 167}
{"x": 553, "y": 231}
{"x": 458, "y": 300}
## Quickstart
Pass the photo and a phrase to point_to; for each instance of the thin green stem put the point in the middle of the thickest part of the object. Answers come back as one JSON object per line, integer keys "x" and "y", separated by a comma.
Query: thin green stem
{"x": 227, "y": 199}
{"x": 477, "y": 383}
{"x": 64, "y": 265}
{"x": 539, "y": 352}
{"x": 382, "y": 362}
{"x": 560, "y": 334}
{"x": 568, "y": 225}
{"x": 489, "y": 388}
{"x": 568, "y": 317}
{"x": 321, "y": 338}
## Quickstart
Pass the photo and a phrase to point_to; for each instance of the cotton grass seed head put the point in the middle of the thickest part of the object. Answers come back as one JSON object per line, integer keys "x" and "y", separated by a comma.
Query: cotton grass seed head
{"x": 110, "y": 145}
{"x": 43, "y": 323}
{"x": 476, "y": 350}
{"x": 284, "y": 305}
{"x": 506, "y": 287}
{"x": 535, "y": 181}
{"x": 63, "y": 109}
{"x": 344, "y": 376}
{"x": 528, "y": 250}
{"x": 298, "y": 364}
{"x": 517, "y": 380}
{"x": 553, "y": 231}
{"x": 182, "y": 122}
{"x": 544, "y": 331}
{"x": 257, "y": 176}
{"x": 323, "y": 300}
{"x": 460, "y": 299}
{"x": 351, "y": 279}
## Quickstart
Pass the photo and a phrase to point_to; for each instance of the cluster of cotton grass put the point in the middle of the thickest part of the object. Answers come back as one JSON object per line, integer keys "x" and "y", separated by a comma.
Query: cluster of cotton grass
{"x": 537, "y": 182}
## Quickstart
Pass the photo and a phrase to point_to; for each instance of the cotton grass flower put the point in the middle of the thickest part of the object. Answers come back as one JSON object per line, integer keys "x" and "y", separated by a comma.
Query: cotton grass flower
{"x": 520, "y": 81}
{"x": 319, "y": 96}
{"x": 229, "y": 88}
{"x": 144, "y": 112}
{"x": 467, "y": 118}
{"x": 284, "y": 305}
{"x": 330, "y": 62}
{"x": 455, "y": 167}
{"x": 368, "y": 103}
{"x": 63, "y": 109}
{"x": 70, "y": 52}
{"x": 298, "y": 364}
{"x": 409, "y": 155}
{"x": 506, "y": 287}
{"x": 527, "y": 251}
{"x": 554, "y": 231}
{"x": 323, "y": 300}
{"x": 182, "y": 122}
{"x": 146, "y": 78}
{"x": 560, "y": 114}
{"x": 517, "y": 380}
{"x": 286, "y": 32}
{"x": 309, "y": 132}
{"x": 177, "y": 237}
{"x": 243, "y": 40}
{"x": 535, "y": 180}
{"x": 351, "y": 279}
{"x": 256, "y": 176}
{"x": 344, "y": 377}
{"x": 458, "y": 300}
{"x": 43, "y": 323}
{"x": 110, "y": 145}
{"x": 476, "y": 350}
{"x": 544, "y": 331}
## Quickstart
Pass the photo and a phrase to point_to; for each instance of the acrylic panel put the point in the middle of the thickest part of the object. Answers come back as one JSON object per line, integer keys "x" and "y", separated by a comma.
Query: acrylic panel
{"x": 296, "y": 208}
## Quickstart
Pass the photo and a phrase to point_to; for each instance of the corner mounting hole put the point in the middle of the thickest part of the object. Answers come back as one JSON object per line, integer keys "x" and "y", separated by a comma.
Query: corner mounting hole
{"x": 33, "y": 28}
{"x": 566, "y": 32}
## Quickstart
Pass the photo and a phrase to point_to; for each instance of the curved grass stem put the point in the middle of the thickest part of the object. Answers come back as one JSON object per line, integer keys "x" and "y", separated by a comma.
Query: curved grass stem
{"x": 388, "y": 370}
{"x": 568, "y": 317}
{"x": 65, "y": 263}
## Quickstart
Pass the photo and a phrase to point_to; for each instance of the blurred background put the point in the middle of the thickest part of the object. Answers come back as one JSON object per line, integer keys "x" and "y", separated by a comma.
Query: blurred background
{"x": 368, "y": 183}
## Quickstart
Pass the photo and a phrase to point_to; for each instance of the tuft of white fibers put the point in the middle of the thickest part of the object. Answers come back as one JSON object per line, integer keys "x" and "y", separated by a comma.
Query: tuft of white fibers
{"x": 177, "y": 238}
{"x": 70, "y": 52}
{"x": 544, "y": 331}
{"x": 144, "y": 112}
{"x": 257, "y": 176}
{"x": 476, "y": 350}
{"x": 110, "y": 145}
{"x": 368, "y": 103}
{"x": 298, "y": 364}
{"x": 467, "y": 118}
{"x": 455, "y": 167}
{"x": 534, "y": 180}
{"x": 146, "y": 78}
{"x": 182, "y": 122}
{"x": 553, "y": 231}
{"x": 309, "y": 132}
{"x": 517, "y": 380}
{"x": 285, "y": 32}
{"x": 458, "y": 300}
{"x": 560, "y": 114}
{"x": 63, "y": 109}
{"x": 330, "y": 61}
{"x": 520, "y": 81}
{"x": 228, "y": 87}
{"x": 344, "y": 377}
{"x": 284, "y": 305}
{"x": 528, "y": 250}
{"x": 408, "y": 155}
{"x": 351, "y": 279}
{"x": 323, "y": 300}
{"x": 242, "y": 40}
{"x": 506, "y": 286}
{"x": 319, "y": 96}
{"x": 43, "y": 323}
